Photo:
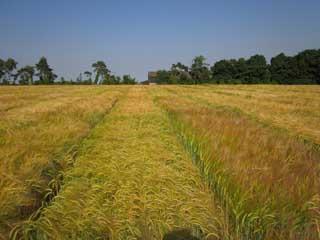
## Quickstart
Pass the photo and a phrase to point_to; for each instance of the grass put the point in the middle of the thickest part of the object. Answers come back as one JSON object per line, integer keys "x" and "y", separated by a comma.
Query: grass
{"x": 136, "y": 162}
{"x": 267, "y": 180}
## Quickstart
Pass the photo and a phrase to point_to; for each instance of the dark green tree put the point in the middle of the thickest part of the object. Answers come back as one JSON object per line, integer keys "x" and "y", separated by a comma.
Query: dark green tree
{"x": 307, "y": 63}
{"x": 26, "y": 75}
{"x": 199, "y": 70}
{"x": 79, "y": 79}
{"x": 2, "y": 69}
{"x": 101, "y": 70}
{"x": 62, "y": 81}
{"x": 258, "y": 71}
{"x": 88, "y": 75}
{"x": 45, "y": 73}
{"x": 180, "y": 74}
{"x": 127, "y": 79}
{"x": 223, "y": 71}
{"x": 9, "y": 66}
{"x": 163, "y": 77}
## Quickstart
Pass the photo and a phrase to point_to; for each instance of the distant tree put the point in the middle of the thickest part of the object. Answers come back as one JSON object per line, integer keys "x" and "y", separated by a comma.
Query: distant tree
{"x": 79, "y": 79}
{"x": 2, "y": 69}
{"x": 111, "y": 80}
{"x": 180, "y": 67}
{"x": 308, "y": 65}
{"x": 26, "y": 75}
{"x": 257, "y": 70}
{"x": 223, "y": 71}
{"x": 163, "y": 77}
{"x": 118, "y": 80}
{"x": 199, "y": 70}
{"x": 279, "y": 68}
{"x": 107, "y": 80}
{"x": 88, "y": 75}
{"x": 9, "y": 66}
{"x": 127, "y": 79}
{"x": 62, "y": 81}
{"x": 253, "y": 70}
{"x": 45, "y": 73}
{"x": 240, "y": 69}
{"x": 300, "y": 69}
{"x": 101, "y": 70}
{"x": 180, "y": 74}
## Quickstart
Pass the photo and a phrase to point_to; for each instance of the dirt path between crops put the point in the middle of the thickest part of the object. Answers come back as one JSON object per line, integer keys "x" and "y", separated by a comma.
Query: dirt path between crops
{"x": 133, "y": 180}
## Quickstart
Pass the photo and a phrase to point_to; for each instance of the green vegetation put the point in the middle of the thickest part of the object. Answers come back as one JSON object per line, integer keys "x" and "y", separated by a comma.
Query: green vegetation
{"x": 10, "y": 75}
{"x": 303, "y": 68}
{"x": 300, "y": 69}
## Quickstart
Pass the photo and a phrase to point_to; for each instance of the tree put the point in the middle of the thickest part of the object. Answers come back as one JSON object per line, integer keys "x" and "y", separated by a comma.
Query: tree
{"x": 79, "y": 79}
{"x": 253, "y": 70}
{"x": 26, "y": 75}
{"x": 2, "y": 69}
{"x": 180, "y": 67}
{"x": 300, "y": 69}
{"x": 62, "y": 81}
{"x": 118, "y": 80}
{"x": 163, "y": 77}
{"x": 223, "y": 71}
{"x": 127, "y": 79}
{"x": 111, "y": 80}
{"x": 308, "y": 65}
{"x": 257, "y": 70}
{"x": 199, "y": 70}
{"x": 180, "y": 74}
{"x": 107, "y": 80}
{"x": 88, "y": 75}
{"x": 279, "y": 68}
{"x": 101, "y": 70}
{"x": 9, "y": 66}
{"x": 45, "y": 73}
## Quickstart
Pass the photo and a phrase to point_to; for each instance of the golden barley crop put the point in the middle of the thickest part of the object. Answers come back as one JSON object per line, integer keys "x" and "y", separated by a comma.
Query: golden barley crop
{"x": 230, "y": 162}
{"x": 268, "y": 179}
{"x": 38, "y": 126}
{"x": 132, "y": 180}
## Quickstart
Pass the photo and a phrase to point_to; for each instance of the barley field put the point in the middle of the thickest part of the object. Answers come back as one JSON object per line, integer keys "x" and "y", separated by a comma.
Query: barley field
{"x": 231, "y": 162}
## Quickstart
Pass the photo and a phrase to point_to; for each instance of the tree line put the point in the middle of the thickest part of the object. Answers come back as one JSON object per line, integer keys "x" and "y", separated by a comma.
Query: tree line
{"x": 303, "y": 68}
{"x": 11, "y": 75}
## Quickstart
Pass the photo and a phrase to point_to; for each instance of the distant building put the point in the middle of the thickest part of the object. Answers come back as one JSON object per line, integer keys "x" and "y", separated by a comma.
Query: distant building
{"x": 152, "y": 77}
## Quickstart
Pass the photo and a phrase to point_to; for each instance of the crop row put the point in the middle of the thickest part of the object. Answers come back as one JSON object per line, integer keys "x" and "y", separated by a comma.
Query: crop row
{"x": 131, "y": 180}
{"x": 38, "y": 141}
{"x": 266, "y": 180}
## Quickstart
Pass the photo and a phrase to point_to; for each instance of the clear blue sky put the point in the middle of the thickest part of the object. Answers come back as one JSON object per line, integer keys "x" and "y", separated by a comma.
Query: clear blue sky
{"x": 135, "y": 36}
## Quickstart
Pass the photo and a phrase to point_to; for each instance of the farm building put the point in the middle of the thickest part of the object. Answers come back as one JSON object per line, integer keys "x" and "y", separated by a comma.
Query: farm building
{"x": 152, "y": 78}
